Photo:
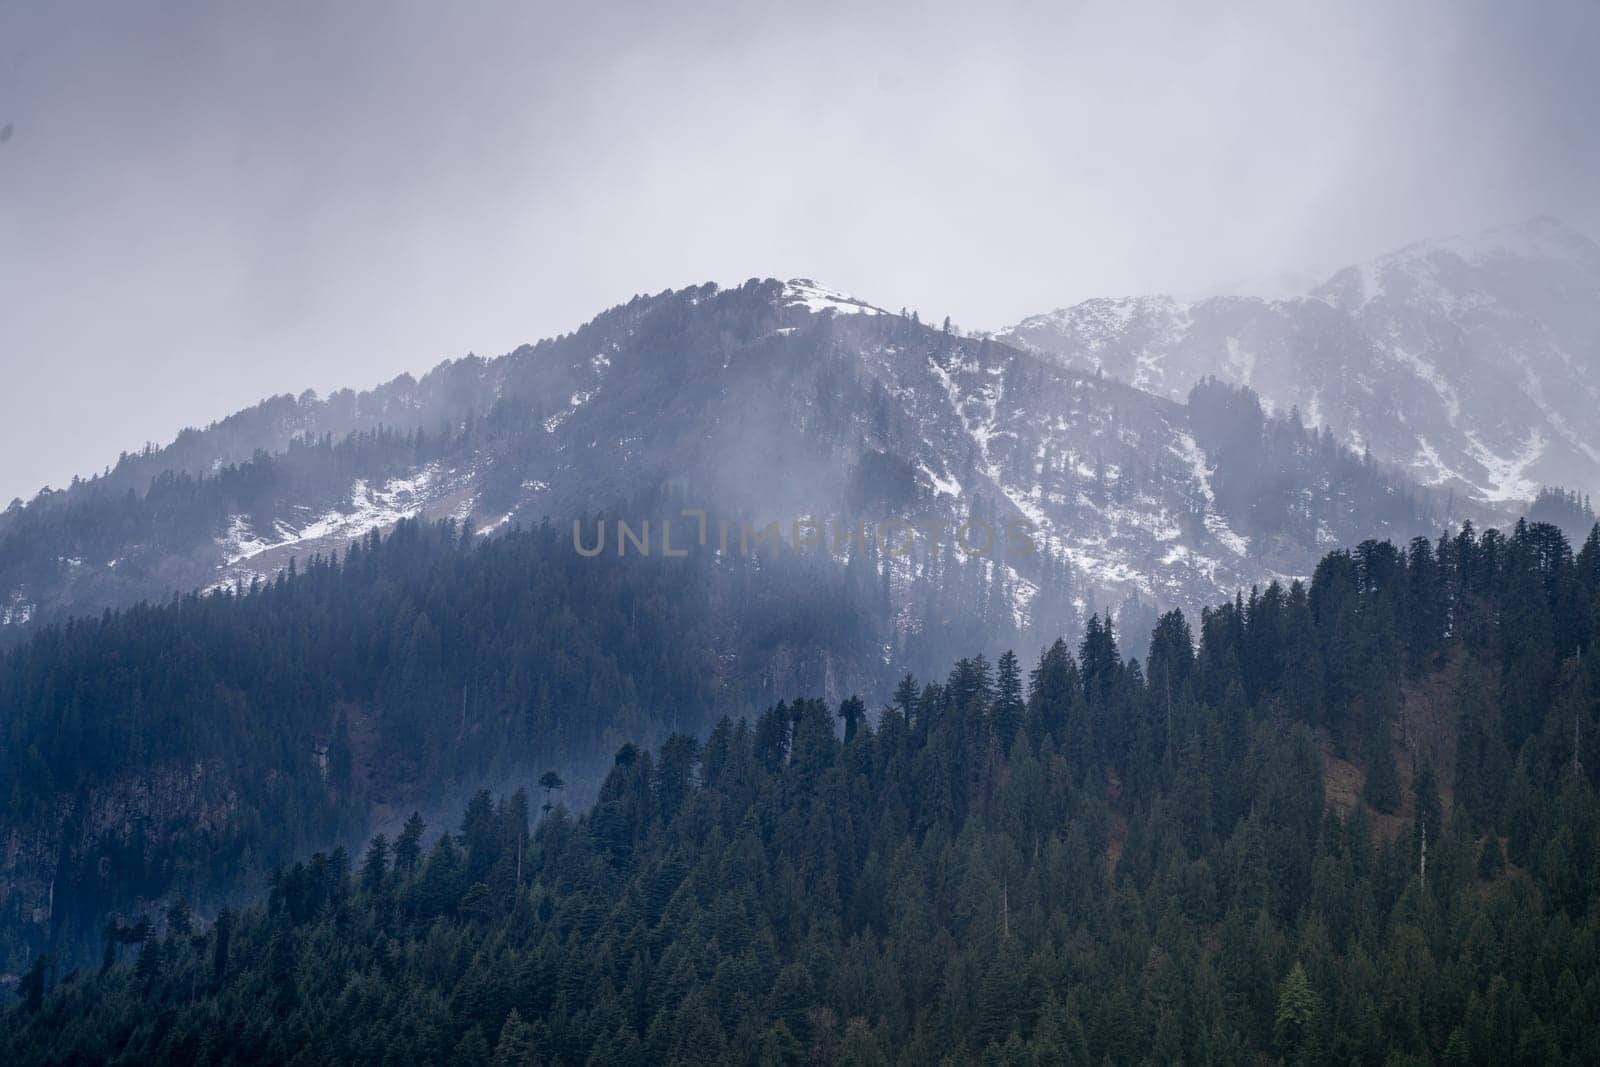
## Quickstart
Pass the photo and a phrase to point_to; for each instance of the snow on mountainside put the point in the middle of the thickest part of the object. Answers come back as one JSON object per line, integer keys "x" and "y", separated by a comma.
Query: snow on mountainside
{"x": 805, "y": 293}
{"x": 767, "y": 401}
{"x": 1473, "y": 362}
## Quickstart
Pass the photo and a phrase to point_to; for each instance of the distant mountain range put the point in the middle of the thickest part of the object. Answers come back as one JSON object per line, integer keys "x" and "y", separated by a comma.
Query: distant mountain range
{"x": 770, "y": 401}
{"x": 1473, "y": 363}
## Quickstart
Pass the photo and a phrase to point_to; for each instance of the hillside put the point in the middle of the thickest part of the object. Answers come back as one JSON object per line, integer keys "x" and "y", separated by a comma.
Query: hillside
{"x": 1472, "y": 363}
{"x": 1105, "y": 860}
{"x": 770, "y": 401}
{"x": 184, "y": 749}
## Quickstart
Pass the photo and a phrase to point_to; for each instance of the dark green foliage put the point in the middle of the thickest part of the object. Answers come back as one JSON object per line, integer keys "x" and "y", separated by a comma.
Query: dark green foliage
{"x": 1491, "y": 859}
{"x": 1381, "y": 789}
{"x": 1296, "y": 1024}
{"x": 1149, "y": 874}
{"x": 1278, "y": 479}
{"x": 1008, "y": 706}
{"x": 282, "y": 715}
{"x": 375, "y": 865}
{"x": 408, "y": 849}
{"x": 1570, "y": 510}
{"x": 221, "y": 942}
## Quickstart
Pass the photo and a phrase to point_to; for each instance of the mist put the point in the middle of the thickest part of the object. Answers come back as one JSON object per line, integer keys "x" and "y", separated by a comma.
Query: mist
{"x": 202, "y": 205}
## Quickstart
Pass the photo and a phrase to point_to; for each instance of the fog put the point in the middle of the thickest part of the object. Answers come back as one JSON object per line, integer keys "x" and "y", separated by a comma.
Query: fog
{"x": 203, "y": 204}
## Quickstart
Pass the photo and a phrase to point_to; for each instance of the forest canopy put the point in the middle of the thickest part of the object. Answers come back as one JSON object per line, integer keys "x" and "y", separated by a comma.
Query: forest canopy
{"x": 1352, "y": 820}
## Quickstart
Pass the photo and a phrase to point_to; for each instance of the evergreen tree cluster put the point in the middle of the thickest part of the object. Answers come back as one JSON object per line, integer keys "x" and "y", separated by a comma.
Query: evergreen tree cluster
{"x": 1102, "y": 860}
{"x": 247, "y": 727}
{"x": 1284, "y": 484}
{"x": 1569, "y": 509}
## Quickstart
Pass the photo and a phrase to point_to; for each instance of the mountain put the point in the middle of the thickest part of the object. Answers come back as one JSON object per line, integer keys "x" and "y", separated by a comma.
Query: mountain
{"x": 772, "y": 401}
{"x": 287, "y": 630}
{"x": 315, "y": 692}
{"x": 1472, "y": 363}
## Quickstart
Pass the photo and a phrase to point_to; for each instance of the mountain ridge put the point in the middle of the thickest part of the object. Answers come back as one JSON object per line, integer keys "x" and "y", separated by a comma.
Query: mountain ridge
{"x": 1471, "y": 362}
{"x": 770, "y": 400}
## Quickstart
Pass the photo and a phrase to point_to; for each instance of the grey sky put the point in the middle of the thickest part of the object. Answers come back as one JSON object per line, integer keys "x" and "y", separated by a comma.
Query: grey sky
{"x": 201, "y": 204}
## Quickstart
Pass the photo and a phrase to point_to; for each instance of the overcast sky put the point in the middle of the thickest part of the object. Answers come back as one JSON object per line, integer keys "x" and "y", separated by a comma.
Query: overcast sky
{"x": 201, "y": 204}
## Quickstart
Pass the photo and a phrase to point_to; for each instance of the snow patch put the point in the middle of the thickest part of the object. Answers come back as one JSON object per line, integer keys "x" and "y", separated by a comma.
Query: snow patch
{"x": 239, "y": 542}
{"x": 1428, "y": 459}
{"x": 1429, "y": 374}
{"x": 1218, "y": 528}
{"x": 17, "y": 611}
{"x": 944, "y": 486}
{"x": 495, "y": 525}
{"x": 1188, "y": 450}
{"x": 803, "y": 292}
{"x": 1508, "y": 477}
{"x": 370, "y": 508}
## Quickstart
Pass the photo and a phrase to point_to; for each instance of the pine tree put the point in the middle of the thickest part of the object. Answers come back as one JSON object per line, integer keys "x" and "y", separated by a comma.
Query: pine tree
{"x": 516, "y": 1046}
{"x": 472, "y": 1050}
{"x": 1381, "y": 790}
{"x": 375, "y": 865}
{"x": 222, "y": 934}
{"x": 408, "y": 847}
{"x": 1295, "y": 1024}
{"x": 1052, "y": 690}
{"x": 1008, "y": 705}
{"x": 1491, "y": 859}
{"x": 853, "y": 712}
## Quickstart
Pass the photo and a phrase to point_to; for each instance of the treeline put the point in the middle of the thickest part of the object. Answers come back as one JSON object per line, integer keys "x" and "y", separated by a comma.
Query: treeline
{"x": 1286, "y": 485}
{"x": 1096, "y": 860}
{"x": 101, "y": 542}
{"x": 1568, "y": 509}
{"x": 176, "y": 748}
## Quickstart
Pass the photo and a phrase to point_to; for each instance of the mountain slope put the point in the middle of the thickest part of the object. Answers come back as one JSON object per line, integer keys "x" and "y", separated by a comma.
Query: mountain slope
{"x": 187, "y": 748}
{"x": 1473, "y": 362}
{"x": 1101, "y": 864}
{"x": 772, "y": 401}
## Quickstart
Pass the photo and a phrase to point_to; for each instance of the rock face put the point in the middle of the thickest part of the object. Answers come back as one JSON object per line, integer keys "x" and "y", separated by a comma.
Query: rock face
{"x": 1473, "y": 363}
{"x": 104, "y": 843}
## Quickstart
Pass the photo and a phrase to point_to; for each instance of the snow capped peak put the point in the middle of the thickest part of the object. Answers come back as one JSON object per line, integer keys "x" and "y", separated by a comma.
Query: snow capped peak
{"x": 803, "y": 292}
{"x": 1467, "y": 361}
{"x": 1142, "y": 325}
{"x": 1542, "y": 239}
{"x": 1105, "y": 316}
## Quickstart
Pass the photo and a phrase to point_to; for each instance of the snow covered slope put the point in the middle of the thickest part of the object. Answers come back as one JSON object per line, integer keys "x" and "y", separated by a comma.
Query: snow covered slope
{"x": 1472, "y": 362}
{"x": 769, "y": 401}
